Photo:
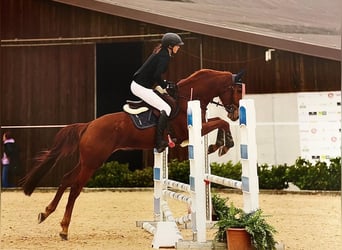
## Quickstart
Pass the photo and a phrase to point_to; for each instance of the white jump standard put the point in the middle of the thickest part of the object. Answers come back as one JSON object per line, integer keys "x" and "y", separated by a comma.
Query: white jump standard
{"x": 164, "y": 227}
{"x": 249, "y": 183}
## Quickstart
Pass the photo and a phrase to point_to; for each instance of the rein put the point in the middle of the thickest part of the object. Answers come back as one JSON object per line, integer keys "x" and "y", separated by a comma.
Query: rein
{"x": 229, "y": 108}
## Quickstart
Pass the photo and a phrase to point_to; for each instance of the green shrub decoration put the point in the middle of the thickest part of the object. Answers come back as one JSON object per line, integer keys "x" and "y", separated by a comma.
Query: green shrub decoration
{"x": 179, "y": 171}
{"x": 227, "y": 170}
{"x": 318, "y": 176}
{"x": 114, "y": 174}
{"x": 304, "y": 174}
{"x": 274, "y": 177}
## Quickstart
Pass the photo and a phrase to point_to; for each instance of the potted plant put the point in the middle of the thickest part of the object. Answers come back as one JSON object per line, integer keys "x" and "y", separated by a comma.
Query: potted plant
{"x": 260, "y": 234}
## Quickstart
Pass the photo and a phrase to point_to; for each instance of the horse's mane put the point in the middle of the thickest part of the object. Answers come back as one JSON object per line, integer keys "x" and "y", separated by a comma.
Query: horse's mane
{"x": 198, "y": 74}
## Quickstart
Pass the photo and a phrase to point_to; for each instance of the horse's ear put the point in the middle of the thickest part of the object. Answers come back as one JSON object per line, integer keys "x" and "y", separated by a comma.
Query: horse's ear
{"x": 237, "y": 78}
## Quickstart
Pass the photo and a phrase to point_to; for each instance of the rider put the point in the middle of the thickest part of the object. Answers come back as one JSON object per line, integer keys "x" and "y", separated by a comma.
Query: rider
{"x": 150, "y": 74}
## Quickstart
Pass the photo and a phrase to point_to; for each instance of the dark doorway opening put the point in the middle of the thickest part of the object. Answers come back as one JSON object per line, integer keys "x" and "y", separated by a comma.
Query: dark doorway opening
{"x": 115, "y": 65}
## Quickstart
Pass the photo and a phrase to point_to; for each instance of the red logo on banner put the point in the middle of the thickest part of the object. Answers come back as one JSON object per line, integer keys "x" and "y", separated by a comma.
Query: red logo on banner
{"x": 314, "y": 130}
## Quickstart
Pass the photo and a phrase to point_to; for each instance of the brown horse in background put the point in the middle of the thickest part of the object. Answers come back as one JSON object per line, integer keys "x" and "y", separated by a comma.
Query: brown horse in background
{"x": 95, "y": 141}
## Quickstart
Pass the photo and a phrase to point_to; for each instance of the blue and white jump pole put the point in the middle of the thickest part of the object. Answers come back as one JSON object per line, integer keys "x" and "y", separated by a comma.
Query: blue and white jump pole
{"x": 159, "y": 174}
{"x": 248, "y": 155}
{"x": 197, "y": 171}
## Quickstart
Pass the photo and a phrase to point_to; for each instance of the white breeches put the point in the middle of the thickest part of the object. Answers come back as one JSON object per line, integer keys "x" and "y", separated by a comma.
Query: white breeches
{"x": 150, "y": 97}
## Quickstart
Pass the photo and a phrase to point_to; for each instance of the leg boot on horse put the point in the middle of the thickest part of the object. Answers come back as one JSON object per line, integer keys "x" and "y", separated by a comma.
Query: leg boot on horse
{"x": 219, "y": 142}
{"x": 229, "y": 143}
{"x": 224, "y": 141}
{"x": 161, "y": 144}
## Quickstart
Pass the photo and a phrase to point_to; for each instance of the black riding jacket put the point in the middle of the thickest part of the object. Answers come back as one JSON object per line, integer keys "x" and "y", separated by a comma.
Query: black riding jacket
{"x": 150, "y": 73}
{"x": 12, "y": 153}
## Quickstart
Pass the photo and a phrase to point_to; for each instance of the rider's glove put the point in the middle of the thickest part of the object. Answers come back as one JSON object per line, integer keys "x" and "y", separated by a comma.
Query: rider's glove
{"x": 170, "y": 85}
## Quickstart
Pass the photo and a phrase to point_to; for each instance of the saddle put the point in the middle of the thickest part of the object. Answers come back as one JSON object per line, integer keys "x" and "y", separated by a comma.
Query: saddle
{"x": 145, "y": 116}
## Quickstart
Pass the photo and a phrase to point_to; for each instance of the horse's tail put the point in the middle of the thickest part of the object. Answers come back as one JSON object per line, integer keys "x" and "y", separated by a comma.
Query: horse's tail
{"x": 66, "y": 143}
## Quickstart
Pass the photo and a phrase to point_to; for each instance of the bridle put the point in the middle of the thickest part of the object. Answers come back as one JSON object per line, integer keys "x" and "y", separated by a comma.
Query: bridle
{"x": 230, "y": 108}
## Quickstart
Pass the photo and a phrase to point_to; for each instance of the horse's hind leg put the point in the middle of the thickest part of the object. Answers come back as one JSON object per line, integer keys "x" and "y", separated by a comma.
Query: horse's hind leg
{"x": 75, "y": 190}
{"x": 66, "y": 182}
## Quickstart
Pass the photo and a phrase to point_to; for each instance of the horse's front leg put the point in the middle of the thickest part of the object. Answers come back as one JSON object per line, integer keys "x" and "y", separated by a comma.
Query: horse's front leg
{"x": 224, "y": 139}
{"x": 218, "y": 143}
{"x": 228, "y": 142}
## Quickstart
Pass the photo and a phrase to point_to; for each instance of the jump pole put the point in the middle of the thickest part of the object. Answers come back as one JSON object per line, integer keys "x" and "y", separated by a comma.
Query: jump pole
{"x": 160, "y": 161}
{"x": 248, "y": 155}
{"x": 159, "y": 174}
{"x": 165, "y": 230}
{"x": 197, "y": 171}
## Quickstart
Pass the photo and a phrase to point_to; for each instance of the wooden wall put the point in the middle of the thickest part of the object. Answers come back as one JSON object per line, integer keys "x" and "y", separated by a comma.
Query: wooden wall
{"x": 286, "y": 72}
{"x": 43, "y": 86}
{"x": 47, "y": 81}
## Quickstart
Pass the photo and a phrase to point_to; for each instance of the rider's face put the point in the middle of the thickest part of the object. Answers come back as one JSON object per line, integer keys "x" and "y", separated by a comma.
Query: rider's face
{"x": 175, "y": 49}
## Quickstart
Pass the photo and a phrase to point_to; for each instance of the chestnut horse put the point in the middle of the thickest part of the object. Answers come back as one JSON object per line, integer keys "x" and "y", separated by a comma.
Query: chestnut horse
{"x": 95, "y": 141}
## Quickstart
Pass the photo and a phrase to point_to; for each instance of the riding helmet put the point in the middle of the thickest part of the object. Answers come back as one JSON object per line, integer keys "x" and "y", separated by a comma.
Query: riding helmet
{"x": 171, "y": 39}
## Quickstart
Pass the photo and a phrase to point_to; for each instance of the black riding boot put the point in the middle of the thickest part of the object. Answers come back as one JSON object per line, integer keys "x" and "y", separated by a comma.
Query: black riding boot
{"x": 161, "y": 144}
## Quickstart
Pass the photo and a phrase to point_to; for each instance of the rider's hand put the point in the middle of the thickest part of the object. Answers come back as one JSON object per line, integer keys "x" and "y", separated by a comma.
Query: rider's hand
{"x": 170, "y": 85}
{"x": 160, "y": 90}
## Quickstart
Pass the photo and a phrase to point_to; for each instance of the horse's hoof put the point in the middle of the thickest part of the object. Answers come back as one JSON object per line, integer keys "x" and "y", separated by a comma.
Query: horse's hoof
{"x": 64, "y": 236}
{"x": 41, "y": 217}
{"x": 230, "y": 144}
{"x": 223, "y": 150}
{"x": 212, "y": 148}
